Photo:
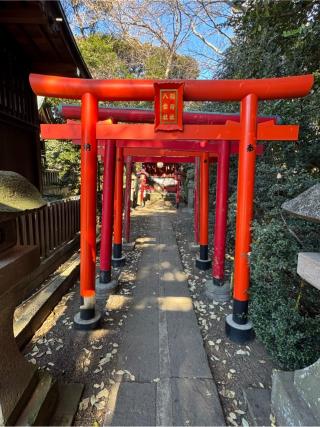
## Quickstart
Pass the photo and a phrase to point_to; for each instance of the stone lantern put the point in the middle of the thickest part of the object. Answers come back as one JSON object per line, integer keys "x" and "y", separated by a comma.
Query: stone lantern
{"x": 296, "y": 395}
{"x": 17, "y": 376}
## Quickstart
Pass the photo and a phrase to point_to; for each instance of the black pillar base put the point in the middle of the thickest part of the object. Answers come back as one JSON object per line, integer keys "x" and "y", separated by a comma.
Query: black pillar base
{"x": 239, "y": 333}
{"x": 118, "y": 262}
{"x": 217, "y": 282}
{"x": 203, "y": 264}
{"x": 105, "y": 276}
{"x": 87, "y": 319}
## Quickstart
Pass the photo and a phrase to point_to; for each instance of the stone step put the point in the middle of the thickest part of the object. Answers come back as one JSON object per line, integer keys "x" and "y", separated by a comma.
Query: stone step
{"x": 30, "y": 315}
{"x": 41, "y": 405}
{"x": 51, "y": 403}
{"x": 69, "y": 396}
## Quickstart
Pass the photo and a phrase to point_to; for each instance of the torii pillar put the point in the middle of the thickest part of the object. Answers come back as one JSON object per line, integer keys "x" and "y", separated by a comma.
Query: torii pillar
{"x": 118, "y": 260}
{"x": 203, "y": 262}
{"x": 216, "y": 287}
{"x": 88, "y": 317}
{"x": 105, "y": 282}
{"x": 127, "y": 200}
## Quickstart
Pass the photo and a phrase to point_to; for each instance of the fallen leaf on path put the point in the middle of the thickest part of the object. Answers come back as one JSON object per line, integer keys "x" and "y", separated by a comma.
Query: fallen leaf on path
{"x": 244, "y": 422}
{"x": 242, "y": 353}
{"x": 103, "y": 394}
{"x": 83, "y": 405}
{"x": 99, "y": 405}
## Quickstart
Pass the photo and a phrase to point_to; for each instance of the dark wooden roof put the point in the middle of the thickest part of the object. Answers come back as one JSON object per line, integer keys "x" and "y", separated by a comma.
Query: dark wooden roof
{"x": 41, "y": 30}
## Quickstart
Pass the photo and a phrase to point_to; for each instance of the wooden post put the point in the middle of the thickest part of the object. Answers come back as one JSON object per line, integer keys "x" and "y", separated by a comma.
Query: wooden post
{"x": 203, "y": 262}
{"x": 118, "y": 260}
{"x": 238, "y": 327}
{"x": 88, "y": 317}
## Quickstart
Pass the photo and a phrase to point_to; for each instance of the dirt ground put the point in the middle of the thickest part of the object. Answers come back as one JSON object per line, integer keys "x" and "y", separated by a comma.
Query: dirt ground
{"x": 89, "y": 358}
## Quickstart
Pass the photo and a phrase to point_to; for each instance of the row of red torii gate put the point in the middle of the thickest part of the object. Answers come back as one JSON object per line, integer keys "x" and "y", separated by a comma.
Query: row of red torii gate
{"x": 125, "y": 135}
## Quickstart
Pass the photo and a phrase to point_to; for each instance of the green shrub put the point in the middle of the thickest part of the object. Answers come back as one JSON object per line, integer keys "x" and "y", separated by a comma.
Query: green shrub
{"x": 283, "y": 309}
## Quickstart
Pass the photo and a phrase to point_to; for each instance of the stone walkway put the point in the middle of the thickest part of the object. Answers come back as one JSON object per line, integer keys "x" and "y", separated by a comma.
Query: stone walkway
{"x": 170, "y": 382}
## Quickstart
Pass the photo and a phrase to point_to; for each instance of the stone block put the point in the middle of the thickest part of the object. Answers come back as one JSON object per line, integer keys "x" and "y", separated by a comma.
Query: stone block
{"x": 309, "y": 267}
{"x": 307, "y": 382}
{"x": 289, "y": 408}
{"x": 15, "y": 263}
{"x": 217, "y": 293}
{"x": 18, "y": 377}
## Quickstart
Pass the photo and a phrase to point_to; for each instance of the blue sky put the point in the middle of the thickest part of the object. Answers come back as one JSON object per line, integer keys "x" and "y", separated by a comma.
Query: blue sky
{"x": 194, "y": 47}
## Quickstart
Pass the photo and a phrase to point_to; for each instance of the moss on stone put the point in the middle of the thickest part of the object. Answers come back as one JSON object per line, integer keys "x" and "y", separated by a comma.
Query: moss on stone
{"x": 17, "y": 193}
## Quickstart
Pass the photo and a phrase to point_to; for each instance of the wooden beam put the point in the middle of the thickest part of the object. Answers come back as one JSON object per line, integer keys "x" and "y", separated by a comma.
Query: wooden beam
{"x": 230, "y": 131}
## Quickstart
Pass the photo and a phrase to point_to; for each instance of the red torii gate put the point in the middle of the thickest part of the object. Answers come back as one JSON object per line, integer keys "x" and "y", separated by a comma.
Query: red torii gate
{"x": 223, "y": 150}
{"x": 249, "y": 92}
{"x": 229, "y": 148}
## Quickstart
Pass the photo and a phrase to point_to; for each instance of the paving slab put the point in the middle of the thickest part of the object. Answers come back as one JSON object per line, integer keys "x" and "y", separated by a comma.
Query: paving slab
{"x": 134, "y": 404}
{"x": 162, "y": 346}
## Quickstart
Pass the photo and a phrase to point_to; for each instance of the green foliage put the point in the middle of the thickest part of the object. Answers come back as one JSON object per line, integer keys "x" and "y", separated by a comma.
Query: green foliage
{"x": 279, "y": 38}
{"x": 102, "y": 59}
{"x": 109, "y": 57}
{"x": 65, "y": 157}
{"x": 278, "y": 297}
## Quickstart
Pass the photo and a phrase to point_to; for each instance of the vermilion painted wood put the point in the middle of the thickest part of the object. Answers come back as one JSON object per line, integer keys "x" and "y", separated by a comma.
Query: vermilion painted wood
{"x": 246, "y": 91}
{"x": 142, "y": 187}
{"x": 118, "y": 196}
{"x": 177, "y": 147}
{"x": 229, "y": 131}
{"x": 107, "y": 207}
{"x": 164, "y": 160}
{"x": 246, "y": 175}
{"x": 220, "y": 226}
{"x": 204, "y": 198}
{"x": 159, "y": 152}
{"x": 89, "y": 116}
{"x": 129, "y": 115}
{"x": 212, "y": 147}
{"x": 196, "y": 200}
{"x": 127, "y": 199}
{"x": 194, "y": 90}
